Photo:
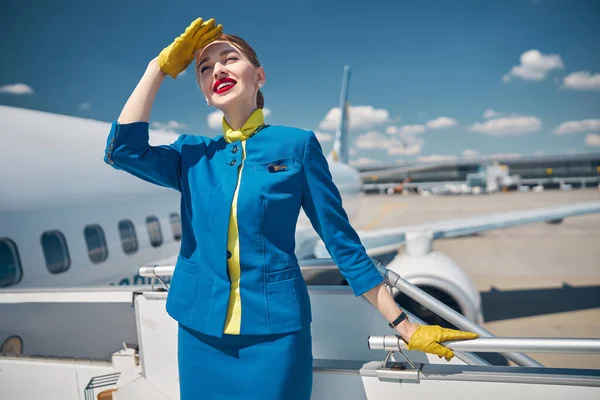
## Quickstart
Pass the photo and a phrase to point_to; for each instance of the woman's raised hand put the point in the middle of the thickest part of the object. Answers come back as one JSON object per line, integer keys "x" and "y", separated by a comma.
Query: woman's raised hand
{"x": 178, "y": 55}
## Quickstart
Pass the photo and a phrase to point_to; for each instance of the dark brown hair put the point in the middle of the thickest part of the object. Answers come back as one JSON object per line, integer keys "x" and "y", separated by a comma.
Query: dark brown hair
{"x": 248, "y": 52}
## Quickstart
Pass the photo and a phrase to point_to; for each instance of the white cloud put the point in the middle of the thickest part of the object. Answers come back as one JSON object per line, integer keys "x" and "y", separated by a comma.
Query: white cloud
{"x": 406, "y": 130}
{"x": 436, "y": 158}
{"x": 215, "y": 118}
{"x": 391, "y": 130}
{"x": 16, "y": 88}
{"x": 409, "y": 150}
{"x": 86, "y": 105}
{"x": 539, "y": 153}
{"x": 534, "y": 66}
{"x": 582, "y": 80}
{"x": 469, "y": 153}
{"x": 374, "y": 140}
{"x": 411, "y": 145}
{"x": 170, "y": 126}
{"x": 359, "y": 117}
{"x": 592, "y": 139}
{"x": 489, "y": 113}
{"x": 584, "y": 125}
{"x": 324, "y": 137}
{"x": 441, "y": 122}
{"x": 512, "y": 125}
{"x": 394, "y": 145}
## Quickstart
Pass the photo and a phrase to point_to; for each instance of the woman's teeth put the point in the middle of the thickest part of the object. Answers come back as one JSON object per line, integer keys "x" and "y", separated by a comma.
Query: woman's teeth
{"x": 224, "y": 85}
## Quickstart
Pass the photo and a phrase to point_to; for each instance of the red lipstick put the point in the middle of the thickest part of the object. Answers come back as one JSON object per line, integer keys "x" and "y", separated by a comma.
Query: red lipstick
{"x": 223, "y": 85}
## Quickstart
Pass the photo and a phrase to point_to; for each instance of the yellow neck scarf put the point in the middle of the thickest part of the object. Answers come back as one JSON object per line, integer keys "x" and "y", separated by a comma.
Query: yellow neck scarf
{"x": 250, "y": 127}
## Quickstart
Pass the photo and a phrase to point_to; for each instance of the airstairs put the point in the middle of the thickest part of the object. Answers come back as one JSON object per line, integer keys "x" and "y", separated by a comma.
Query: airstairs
{"x": 356, "y": 357}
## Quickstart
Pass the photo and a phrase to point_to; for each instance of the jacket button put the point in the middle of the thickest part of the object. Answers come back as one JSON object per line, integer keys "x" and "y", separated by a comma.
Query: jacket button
{"x": 233, "y": 162}
{"x": 234, "y": 149}
{"x": 228, "y": 254}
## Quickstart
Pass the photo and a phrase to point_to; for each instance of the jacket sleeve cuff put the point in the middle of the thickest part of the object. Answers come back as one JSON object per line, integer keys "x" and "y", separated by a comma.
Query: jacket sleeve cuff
{"x": 366, "y": 281}
{"x": 125, "y": 137}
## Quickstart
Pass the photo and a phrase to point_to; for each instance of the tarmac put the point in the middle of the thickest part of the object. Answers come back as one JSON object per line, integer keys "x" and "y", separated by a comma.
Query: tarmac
{"x": 538, "y": 280}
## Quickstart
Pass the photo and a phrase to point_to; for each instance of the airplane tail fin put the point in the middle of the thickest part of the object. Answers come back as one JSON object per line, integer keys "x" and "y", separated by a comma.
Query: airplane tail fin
{"x": 340, "y": 151}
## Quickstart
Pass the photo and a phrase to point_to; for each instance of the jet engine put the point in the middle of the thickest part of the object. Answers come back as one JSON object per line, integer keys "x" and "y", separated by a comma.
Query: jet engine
{"x": 436, "y": 274}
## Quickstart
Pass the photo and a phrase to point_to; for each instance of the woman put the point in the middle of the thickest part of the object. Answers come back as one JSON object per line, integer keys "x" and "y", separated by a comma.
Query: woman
{"x": 237, "y": 292}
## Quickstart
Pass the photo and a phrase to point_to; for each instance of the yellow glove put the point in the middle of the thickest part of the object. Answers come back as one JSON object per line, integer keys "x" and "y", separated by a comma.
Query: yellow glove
{"x": 178, "y": 55}
{"x": 427, "y": 338}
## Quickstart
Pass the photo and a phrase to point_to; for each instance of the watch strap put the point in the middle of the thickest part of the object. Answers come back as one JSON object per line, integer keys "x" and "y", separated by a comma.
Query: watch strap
{"x": 400, "y": 318}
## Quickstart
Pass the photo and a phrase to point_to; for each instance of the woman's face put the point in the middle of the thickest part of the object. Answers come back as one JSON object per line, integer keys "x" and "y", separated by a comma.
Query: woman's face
{"x": 226, "y": 76}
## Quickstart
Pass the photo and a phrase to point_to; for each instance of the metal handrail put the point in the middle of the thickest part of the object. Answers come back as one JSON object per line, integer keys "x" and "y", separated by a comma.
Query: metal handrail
{"x": 394, "y": 280}
{"x": 152, "y": 271}
{"x": 500, "y": 344}
{"x": 467, "y": 357}
{"x": 155, "y": 272}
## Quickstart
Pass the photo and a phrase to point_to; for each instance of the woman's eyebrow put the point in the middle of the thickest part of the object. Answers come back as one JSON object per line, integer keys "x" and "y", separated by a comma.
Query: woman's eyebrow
{"x": 223, "y": 53}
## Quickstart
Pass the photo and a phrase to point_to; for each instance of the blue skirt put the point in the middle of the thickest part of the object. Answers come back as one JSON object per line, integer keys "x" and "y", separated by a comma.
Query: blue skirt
{"x": 265, "y": 367}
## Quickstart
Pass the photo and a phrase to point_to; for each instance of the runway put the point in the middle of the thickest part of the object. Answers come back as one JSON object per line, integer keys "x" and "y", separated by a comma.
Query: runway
{"x": 539, "y": 280}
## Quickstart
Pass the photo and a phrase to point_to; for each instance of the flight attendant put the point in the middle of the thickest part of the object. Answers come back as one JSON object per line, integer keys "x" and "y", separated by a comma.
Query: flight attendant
{"x": 237, "y": 292}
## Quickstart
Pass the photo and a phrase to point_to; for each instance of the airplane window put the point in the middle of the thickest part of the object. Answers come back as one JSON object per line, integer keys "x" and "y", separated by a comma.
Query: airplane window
{"x": 154, "y": 231}
{"x": 128, "y": 236}
{"x": 96, "y": 243}
{"x": 56, "y": 251}
{"x": 10, "y": 263}
{"x": 176, "y": 225}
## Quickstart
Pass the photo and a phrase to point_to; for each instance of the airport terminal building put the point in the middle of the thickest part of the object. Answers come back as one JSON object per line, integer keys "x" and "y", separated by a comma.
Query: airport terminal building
{"x": 549, "y": 171}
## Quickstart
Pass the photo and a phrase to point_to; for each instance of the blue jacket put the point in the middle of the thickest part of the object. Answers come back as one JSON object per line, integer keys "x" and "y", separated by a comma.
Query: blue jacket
{"x": 273, "y": 293}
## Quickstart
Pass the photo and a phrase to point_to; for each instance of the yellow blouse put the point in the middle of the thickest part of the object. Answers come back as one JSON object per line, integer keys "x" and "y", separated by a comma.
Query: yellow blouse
{"x": 234, "y": 309}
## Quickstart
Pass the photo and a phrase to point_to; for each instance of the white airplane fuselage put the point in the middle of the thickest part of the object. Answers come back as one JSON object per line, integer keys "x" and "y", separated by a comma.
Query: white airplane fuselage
{"x": 53, "y": 178}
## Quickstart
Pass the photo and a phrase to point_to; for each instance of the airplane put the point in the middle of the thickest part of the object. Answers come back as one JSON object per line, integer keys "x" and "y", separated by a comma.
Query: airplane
{"x": 67, "y": 219}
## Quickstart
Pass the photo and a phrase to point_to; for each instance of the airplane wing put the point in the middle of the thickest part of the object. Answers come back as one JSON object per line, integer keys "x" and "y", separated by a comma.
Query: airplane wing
{"x": 384, "y": 241}
{"x": 314, "y": 257}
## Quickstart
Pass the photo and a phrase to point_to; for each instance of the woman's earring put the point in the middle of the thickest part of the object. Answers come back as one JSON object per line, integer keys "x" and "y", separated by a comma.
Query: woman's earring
{"x": 260, "y": 85}
{"x": 207, "y": 102}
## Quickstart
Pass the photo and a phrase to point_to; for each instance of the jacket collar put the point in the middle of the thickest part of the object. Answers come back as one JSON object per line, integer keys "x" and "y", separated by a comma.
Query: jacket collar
{"x": 255, "y": 123}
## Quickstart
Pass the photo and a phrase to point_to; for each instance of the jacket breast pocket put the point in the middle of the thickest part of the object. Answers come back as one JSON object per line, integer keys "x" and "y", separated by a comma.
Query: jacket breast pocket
{"x": 282, "y": 175}
{"x": 277, "y": 165}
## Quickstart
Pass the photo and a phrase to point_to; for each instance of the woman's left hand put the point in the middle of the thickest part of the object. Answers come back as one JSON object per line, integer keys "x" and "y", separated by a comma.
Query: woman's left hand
{"x": 427, "y": 338}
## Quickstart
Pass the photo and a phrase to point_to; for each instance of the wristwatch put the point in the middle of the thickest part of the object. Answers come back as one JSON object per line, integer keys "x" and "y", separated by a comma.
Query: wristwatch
{"x": 395, "y": 322}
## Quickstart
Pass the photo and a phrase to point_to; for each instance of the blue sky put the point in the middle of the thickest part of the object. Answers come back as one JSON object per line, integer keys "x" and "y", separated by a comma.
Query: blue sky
{"x": 430, "y": 79}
